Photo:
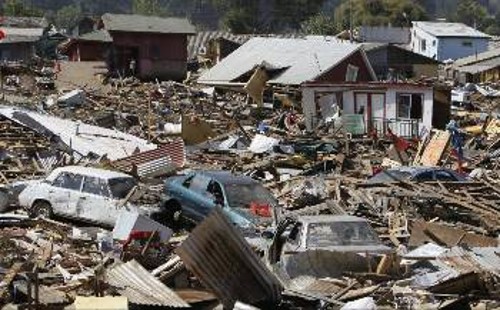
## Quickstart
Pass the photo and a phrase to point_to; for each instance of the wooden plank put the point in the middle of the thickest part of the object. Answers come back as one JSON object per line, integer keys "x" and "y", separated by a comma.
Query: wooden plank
{"x": 435, "y": 149}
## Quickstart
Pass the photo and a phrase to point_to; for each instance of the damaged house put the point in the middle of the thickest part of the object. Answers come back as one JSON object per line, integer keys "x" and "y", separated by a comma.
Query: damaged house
{"x": 145, "y": 46}
{"x": 407, "y": 109}
{"x": 479, "y": 68}
{"x": 263, "y": 62}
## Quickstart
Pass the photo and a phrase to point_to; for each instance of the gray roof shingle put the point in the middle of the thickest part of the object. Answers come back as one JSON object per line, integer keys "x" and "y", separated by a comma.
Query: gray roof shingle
{"x": 150, "y": 24}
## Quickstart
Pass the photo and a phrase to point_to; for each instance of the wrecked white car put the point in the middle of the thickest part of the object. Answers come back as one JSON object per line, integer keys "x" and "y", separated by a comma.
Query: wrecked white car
{"x": 82, "y": 193}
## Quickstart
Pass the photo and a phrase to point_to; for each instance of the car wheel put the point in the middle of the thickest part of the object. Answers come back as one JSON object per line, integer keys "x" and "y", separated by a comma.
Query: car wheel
{"x": 172, "y": 213}
{"x": 41, "y": 209}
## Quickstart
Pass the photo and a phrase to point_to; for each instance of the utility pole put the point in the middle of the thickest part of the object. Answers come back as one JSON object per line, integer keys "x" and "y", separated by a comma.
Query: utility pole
{"x": 351, "y": 37}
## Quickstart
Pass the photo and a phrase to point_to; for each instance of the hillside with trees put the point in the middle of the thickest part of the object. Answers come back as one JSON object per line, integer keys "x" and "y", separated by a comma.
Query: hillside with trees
{"x": 265, "y": 16}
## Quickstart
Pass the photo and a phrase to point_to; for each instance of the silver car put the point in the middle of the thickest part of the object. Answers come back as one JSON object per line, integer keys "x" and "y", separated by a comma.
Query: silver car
{"x": 83, "y": 193}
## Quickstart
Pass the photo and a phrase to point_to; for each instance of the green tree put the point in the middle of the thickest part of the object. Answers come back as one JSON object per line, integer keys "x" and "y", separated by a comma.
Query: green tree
{"x": 67, "y": 17}
{"x": 149, "y": 7}
{"x": 471, "y": 13}
{"x": 320, "y": 24}
{"x": 20, "y": 8}
{"x": 397, "y": 13}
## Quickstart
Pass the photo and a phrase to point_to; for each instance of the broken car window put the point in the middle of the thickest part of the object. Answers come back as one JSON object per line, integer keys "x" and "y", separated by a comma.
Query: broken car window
{"x": 121, "y": 187}
{"x": 96, "y": 186}
{"x": 243, "y": 195}
{"x": 341, "y": 234}
{"x": 69, "y": 181}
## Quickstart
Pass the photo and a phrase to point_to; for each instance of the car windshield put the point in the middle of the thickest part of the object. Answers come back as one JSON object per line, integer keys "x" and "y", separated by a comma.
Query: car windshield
{"x": 390, "y": 176}
{"x": 121, "y": 187}
{"x": 243, "y": 195}
{"x": 341, "y": 234}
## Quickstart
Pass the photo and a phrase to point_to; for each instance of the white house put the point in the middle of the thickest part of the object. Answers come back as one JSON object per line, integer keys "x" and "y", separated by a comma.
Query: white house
{"x": 443, "y": 41}
{"x": 408, "y": 110}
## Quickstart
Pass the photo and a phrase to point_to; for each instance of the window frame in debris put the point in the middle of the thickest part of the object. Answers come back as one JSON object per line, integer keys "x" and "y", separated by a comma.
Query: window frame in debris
{"x": 57, "y": 182}
{"x": 412, "y": 111}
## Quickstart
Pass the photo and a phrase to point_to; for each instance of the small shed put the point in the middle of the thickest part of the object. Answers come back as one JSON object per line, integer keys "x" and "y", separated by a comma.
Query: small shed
{"x": 157, "y": 46}
{"x": 19, "y": 43}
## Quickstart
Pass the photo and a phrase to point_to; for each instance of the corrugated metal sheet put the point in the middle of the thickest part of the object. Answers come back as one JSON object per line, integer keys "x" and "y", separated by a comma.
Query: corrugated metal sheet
{"x": 197, "y": 44}
{"x": 302, "y": 59}
{"x": 140, "y": 287}
{"x": 82, "y": 138}
{"x": 219, "y": 256}
{"x": 476, "y": 259}
{"x": 172, "y": 154}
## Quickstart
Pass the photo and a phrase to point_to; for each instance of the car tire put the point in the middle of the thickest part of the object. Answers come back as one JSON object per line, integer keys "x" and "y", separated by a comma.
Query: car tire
{"x": 4, "y": 201}
{"x": 172, "y": 213}
{"x": 41, "y": 208}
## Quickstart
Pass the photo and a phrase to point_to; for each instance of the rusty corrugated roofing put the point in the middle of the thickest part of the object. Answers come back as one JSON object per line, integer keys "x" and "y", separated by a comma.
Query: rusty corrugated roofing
{"x": 140, "y": 287}
{"x": 219, "y": 256}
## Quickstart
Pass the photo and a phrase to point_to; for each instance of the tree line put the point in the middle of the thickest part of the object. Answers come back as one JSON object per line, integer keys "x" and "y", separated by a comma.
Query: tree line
{"x": 321, "y": 17}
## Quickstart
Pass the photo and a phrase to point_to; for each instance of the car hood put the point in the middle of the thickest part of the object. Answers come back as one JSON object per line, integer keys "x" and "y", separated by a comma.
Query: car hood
{"x": 246, "y": 215}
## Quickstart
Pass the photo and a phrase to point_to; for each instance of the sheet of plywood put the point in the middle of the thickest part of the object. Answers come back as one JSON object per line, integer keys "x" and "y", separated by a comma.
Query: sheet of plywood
{"x": 435, "y": 149}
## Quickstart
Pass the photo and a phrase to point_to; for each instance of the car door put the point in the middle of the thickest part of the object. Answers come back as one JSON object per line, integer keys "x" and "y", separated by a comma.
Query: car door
{"x": 445, "y": 176}
{"x": 198, "y": 201}
{"x": 95, "y": 203}
{"x": 64, "y": 193}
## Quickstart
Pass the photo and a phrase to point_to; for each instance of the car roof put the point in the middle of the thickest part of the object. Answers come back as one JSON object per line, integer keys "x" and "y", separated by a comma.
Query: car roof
{"x": 414, "y": 169}
{"x": 308, "y": 219}
{"x": 89, "y": 171}
{"x": 226, "y": 177}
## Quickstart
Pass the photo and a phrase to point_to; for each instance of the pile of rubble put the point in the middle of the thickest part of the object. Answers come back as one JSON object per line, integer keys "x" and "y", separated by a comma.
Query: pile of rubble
{"x": 358, "y": 223}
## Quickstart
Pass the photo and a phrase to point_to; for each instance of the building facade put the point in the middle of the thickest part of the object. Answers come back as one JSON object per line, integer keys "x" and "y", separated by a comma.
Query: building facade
{"x": 443, "y": 41}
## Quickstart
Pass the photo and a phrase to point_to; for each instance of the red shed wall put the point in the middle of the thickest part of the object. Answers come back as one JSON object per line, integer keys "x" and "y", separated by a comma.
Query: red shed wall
{"x": 161, "y": 56}
{"x": 337, "y": 74}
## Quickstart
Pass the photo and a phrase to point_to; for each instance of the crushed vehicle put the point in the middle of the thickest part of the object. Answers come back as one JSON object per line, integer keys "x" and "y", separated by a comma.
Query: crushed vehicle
{"x": 417, "y": 174}
{"x": 308, "y": 245}
{"x": 82, "y": 193}
{"x": 245, "y": 201}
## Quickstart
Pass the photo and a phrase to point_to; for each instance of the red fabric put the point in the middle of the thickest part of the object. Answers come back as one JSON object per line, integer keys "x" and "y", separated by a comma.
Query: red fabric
{"x": 263, "y": 210}
{"x": 399, "y": 143}
{"x": 2, "y": 34}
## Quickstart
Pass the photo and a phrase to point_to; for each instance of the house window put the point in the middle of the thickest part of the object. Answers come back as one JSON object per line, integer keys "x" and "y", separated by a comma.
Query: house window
{"x": 467, "y": 43}
{"x": 423, "y": 45}
{"x": 351, "y": 74}
{"x": 433, "y": 42}
{"x": 410, "y": 106}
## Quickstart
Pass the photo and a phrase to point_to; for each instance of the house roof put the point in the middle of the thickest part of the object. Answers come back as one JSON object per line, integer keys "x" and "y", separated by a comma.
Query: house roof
{"x": 198, "y": 42}
{"x": 442, "y": 29}
{"x": 151, "y": 24}
{"x": 478, "y": 58}
{"x": 399, "y": 35}
{"x": 84, "y": 139}
{"x": 24, "y": 22}
{"x": 299, "y": 59}
{"x": 97, "y": 35}
{"x": 371, "y": 47}
{"x": 19, "y": 35}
